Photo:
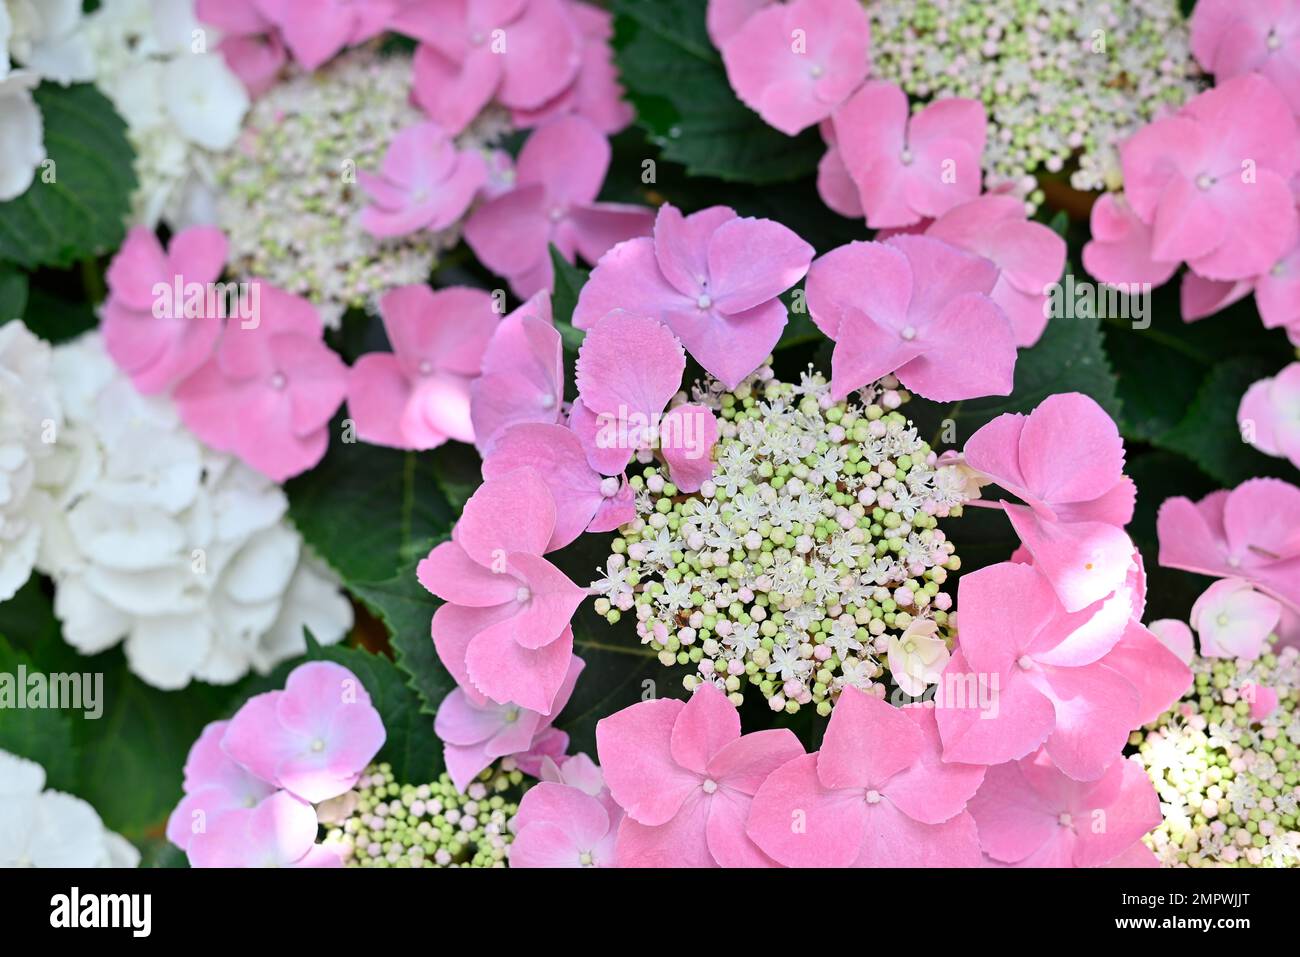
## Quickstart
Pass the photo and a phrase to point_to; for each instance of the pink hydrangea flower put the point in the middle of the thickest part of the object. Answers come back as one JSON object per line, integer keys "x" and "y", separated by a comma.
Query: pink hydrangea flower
{"x": 562, "y": 826}
{"x": 1158, "y": 672}
{"x": 909, "y": 166}
{"x": 279, "y": 832}
{"x": 595, "y": 93}
{"x": 213, "y": 785}
{"x": 1044, "y": 676}
{"x": 724, "y": 17}
{"x": 1065, "y": 461}
{"x": 1230, "y": 38}
{"x": 156, "y": 336}
{"x": 1233, "y": 620}
{"x": 1269, "y": 414}
{"x": 523, "y": 374}
{"x": 1250, "y": 532}
{"x": 476, "y": 731}
{"x": 269, "y": 392}
{"x": 504, "y": 630}
{"x": 1199, "y": 297}
{"x": 796, "y": 62}
{"x": 250, "y": 43}
{"x": 418, "y": 395}
{"x": 686, "y": 777}
{"x": 519, "y": 52}
{"x": 834, "y": 183}
{"x": 312, "y": 739}
{"x": 1212, "y": 180}
{"x": 917, "y": 307}
{"x": 1119, "y": 251}
{"x": 315, "y": 30}
{"x": 1176, "y": 636}
{"x": 1029, "y": 256}
{"x": 585, "y": 500}
{"x": 1277, "y": 294}
{"x": 1030, "y": 814}
{"x": 714, "y": 278}
{"x": 628, "y": 369}
{"x": 875, "y": 795}
{"x": 557, "y": 178}
{"x": 425, "y": 182}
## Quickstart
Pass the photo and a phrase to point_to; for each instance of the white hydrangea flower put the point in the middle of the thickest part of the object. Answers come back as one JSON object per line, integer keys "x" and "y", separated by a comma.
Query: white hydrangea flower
{"x": 180, "y": 552}
{"x": 180, "y": 101}
{"x": 40, "y": 828}
{"x": 29, "y": 414}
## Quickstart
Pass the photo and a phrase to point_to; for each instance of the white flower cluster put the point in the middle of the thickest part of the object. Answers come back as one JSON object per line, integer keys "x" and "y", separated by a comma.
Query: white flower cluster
{"x": 39, "y": 39}
{"x": 156, "y": 540}
{"x": 180, "y": 101}
{"x": 811, "y": 555}
{"x": 29, "y": 416}
{"x": 40, "y": 828}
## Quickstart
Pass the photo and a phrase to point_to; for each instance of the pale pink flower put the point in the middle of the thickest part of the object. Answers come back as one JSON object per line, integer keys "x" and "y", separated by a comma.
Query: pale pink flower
{"x": 1065, "y": 461}
{"x": 1269, "y": 414}
{"x": 585, "y": 500}
{"x": 279, "y": 832}
{"x": 1176, "y": 636}
{"x": 714, "y": 278}
{"x": 562, "y": 826}
{"x": 796, "y": 62}
{"x": 1230, "y": 38}
{"x": 595, "y": 93}
{"x": 425, "y": 182}
{"x": 504, "y": 630}
{"x": 1119, "y": 251}
{"x": 476, "y": 731}
{"x": 519, "y": 53}
{"x": 269, "y": 392}
{"x": 418, "y": 395}
{"x": 909, "y": 166}
{"x": 834, "y": 183}
{"x": 315, "y": 30}
{"x": 557, "y": 178}
{"x": 724, "y": 17}
{"x": 1250, "y": 532}
{"x": 250, "y": 43}
{"x": 1212, "y": 180}
{"x": 1233, "y": 620}
{"x": 1045, "y": 676}
{"x": 156, "y": 336}
{"x": 314, "y": 738}
{"x": 214, "y": 783}
{"x": 1031, "y": 815}
{"x": 1029, "y": 256}
{"x": 877, "y": 794}
{"x": 686, "y": 776}
{"x": 916, "y": 307}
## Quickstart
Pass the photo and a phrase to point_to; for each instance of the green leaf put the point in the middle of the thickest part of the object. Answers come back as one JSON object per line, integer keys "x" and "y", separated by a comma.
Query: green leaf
{"x": 368, "y": 510}
{"x": 82, "y": 211}
{"x": 372, "y": 514}
{"x": 43, "y": 735}
{"x": 457, "y": 469}
{"x": 1209, "y": 434}
{"x": 56, "y": 319}
{"x": 13, "y": 294}
{"x": 676, "y": 80}
{"x": 569, "y": 280}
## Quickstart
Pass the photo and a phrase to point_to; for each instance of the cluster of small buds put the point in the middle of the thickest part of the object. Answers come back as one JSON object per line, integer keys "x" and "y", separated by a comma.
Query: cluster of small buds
{"x": 813, "y": 547}
{"x": 289, "y": 196}
{"x": 429, "y": 825}
{"x": 1059, "y": 79}
{"x": 1229, "y": 782}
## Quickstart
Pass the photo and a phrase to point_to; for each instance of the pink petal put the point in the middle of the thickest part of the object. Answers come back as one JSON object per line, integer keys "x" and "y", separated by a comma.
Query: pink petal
{"x": 893, "y": 839}
{"x": 932, "y": 790}
{"x": 1096, "y": 708}
{"x": 569, "y": 157}
{"x": 681, "y": 841}
{"x": 1157, "y": 673}
{"x": 507, "y": 516}
{"x": 451, "y": 574}
{"x": 707, "y": 723}
{"x": 687, "y": 435}
{"x": 635, "y": 748}
{"x": 799, "y": 822}
{"x": 507, "y": 672}
{"x": 629, "y": 365}
{"x": 867, "y": 743}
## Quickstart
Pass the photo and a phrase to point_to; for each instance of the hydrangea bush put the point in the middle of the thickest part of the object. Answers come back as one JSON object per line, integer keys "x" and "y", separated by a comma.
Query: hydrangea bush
{"x": 649, "y": 433}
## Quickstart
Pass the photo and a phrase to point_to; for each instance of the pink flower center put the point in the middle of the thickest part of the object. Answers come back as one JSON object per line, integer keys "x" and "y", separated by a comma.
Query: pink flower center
{"x": 522, "y": 593}
{"x": 279, "y": 381}
{"x": 318, "y": 745}
{"x": 908, "y": 333}
{"x": 905, "y": 157}
{"x": 557, "y": 213}
{"x": 704, "y": 302}
{"x": 1274, "y": 41}
{"x": 873, "y": 797}
{"x": 609, "y": 487}
{"x": 1066, "y": 820}
{"x": 1204, "y": 181}
{"x": 710, "y": 785}
{"x": 547, "y": 401}
{"x": 1025, "y": 662}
